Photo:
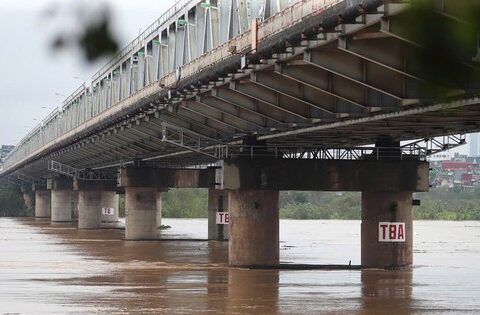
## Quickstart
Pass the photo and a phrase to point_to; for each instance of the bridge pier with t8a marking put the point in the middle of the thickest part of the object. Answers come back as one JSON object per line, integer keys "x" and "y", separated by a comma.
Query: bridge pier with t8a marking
{"x": 386, "y": 188}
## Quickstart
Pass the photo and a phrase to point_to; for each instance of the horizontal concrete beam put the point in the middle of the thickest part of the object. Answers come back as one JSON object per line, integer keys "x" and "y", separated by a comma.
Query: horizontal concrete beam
{"x": 166, "y": 177}
{"x": 25, "y": 188}
{"x": 79, "y": 184}
{"x": 39, "y": 187}
{"x": 326, "y": 175}
{"x": 60, "y": 183}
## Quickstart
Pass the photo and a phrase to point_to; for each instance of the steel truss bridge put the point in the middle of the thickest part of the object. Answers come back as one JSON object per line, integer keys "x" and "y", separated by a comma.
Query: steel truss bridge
{"x": 305, "y": 79}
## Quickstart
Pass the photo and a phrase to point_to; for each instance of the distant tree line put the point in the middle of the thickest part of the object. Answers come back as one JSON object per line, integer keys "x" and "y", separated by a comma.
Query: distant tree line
{"x": 11, "y": 202}
{"x": 437, "y": 204}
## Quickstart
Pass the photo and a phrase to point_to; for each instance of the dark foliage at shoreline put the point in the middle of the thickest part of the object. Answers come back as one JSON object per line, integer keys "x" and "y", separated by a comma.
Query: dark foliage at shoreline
{"x": 11, "y": 202}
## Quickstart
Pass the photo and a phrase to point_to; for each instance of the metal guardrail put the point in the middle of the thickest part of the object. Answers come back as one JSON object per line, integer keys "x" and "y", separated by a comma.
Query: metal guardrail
{"x": 88, "y": 175}
{"x": 319, "y": 153}
{"x": 419, "y": 149}
{"x": 433, "y": 146}
{"x": 180, "y": 4}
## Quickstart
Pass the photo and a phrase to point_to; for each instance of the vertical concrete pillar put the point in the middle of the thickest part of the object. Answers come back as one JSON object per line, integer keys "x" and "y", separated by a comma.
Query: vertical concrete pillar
{"x": 27, "y": 199}
{"x": 89, "y": 209}
{"x": 109, "y": 200}
{"x": 254, "y": 228}
{"x": 42, "y": 203}
{"x": 217, "y": 202}
{"x": 61, "y": 205}
{"x": 140, "y": 213}
{"x": 386, "y": 207}
{"x": 75, "y": 204}
{"x": 159, "y": 209}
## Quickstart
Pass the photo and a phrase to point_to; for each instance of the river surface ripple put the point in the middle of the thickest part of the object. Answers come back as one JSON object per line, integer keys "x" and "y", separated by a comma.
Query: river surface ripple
{"x": 58, "y": 269}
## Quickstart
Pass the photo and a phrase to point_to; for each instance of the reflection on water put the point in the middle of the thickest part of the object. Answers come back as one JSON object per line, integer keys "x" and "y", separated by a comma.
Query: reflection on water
{"x": 58, "y": 269}
{"x": 380, "y": 287}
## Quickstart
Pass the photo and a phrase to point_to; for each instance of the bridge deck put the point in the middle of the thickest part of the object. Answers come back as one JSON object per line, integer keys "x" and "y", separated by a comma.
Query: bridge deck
{"x": 313, "y": 80}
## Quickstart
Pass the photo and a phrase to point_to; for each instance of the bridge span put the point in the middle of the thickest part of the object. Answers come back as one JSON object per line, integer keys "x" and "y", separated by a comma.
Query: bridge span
{"x": 247, "y": 98}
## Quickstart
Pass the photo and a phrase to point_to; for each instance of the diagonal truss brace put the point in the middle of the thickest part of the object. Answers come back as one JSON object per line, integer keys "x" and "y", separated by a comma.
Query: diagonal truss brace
{"x": 89, "y": 175}
{"x": 431, "y": 146}
{"x": 184, "y": 139}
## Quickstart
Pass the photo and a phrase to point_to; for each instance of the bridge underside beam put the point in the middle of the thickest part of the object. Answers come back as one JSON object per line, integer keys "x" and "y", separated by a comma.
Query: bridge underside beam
{"x": 166, "y": 178}
{"x": 325, "y": 175}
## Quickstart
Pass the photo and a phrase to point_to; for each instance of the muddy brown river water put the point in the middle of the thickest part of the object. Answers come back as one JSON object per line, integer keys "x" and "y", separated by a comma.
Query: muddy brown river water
{"x": 58, "y": 269}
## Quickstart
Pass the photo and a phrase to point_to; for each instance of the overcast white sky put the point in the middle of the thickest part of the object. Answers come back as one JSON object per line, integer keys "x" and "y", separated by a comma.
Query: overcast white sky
{"x": 31, "y": 74}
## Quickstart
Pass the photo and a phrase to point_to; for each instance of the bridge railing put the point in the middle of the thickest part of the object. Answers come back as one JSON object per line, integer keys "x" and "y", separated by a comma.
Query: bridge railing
{"x": 117, "y": 89}
{"x": 320, "y": 153}
{"x": 165, "y": 17}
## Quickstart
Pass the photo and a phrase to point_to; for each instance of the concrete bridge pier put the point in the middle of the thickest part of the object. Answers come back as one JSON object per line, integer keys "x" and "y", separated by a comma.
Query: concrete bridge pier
{"x": 42, "y": 203}
{"x": 140, "y": 213}
{"x": 159, "y": 209}
{"x": 387, "y": 229}
{"x": 27, "y": 199}
{"x": 90, "y": 198}
{"x": 89, "y": 209}
{"x": 61, "y": 198}
{"x": 217, "y": 202}
{"x": 75, "y": 204}
{"x": 254, "y": 228}
{"x": 143, "y": 188}
{"x": 386, "y": 186}
{"x": 109, "y": 201}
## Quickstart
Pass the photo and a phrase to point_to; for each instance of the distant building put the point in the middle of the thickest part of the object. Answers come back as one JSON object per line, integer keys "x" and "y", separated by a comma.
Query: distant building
{"x": 474, "y": 142}
{"x": 441, "y": 156}
{"x": 458, "y": 171}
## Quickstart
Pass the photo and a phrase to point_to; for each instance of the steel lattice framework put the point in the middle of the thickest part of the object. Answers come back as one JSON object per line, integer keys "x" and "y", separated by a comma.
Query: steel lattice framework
{"x": 312, "y": 76}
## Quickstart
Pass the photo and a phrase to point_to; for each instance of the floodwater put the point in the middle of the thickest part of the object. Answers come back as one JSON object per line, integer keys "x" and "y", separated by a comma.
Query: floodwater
{"x": 58, "y": 269}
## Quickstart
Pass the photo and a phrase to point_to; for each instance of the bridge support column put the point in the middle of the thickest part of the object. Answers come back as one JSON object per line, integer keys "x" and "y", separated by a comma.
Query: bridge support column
{"x": 387, "y": 187}
{"x": 75, "y": 204}
{"x": 143, "y": 185}
{"x": 140, "y": 213}
{"x": 61, "y": 198}
{"x": 159, "y": 210}
{"x": 89, "y": 209}
{"x": 386, "y": 245}
{"x": 42, "y": 203}
{"x": 61, "y": 205}
{"x": 90, "y": 201}
{"x": 254, "y": 228}
{"x": 110, "y": 201}
{"x": 217, "y": 202}
{"x": 27, "y": 199}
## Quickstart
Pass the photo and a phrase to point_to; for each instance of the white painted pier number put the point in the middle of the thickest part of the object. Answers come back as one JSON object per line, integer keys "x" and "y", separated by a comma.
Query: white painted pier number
{"x": 108, "y": 211}
{"x": 391, "y": 232}
{"x": 223, "y": 218}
